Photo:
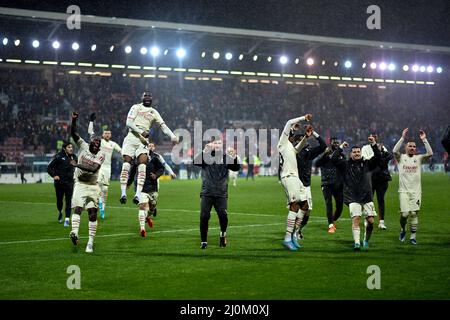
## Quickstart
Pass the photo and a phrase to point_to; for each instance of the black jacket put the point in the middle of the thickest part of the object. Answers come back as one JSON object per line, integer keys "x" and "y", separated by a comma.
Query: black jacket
{"x": 153, "y": 166}
{"x": 60, "y": 166}
{"x": 305, "y": 158}
{"x": 328, "y": 171}
{"x": 215, "y": 176}
{"x": 381, "y": 173}
{"x": 357, "y": 176}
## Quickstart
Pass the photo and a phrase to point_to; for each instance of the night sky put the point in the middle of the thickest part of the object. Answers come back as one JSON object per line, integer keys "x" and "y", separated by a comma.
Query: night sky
{"x": 419, "y": 22}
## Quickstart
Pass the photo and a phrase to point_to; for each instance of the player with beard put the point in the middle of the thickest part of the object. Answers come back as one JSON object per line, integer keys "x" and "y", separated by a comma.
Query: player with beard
{"x": 332, "y": 186}
{"x": 410, "y": 185}
{"x": 139, "y": 121}
{"x": 86, "y": 192}
{"x": 356, "y": 174}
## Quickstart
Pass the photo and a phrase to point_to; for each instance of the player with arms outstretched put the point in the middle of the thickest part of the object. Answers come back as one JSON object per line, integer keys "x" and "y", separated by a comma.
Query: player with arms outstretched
{"x": 297, "y": 201}
{"x": 139, "y": 120}
{"x": 410, "y": 185}
{"x": 107, "y": 147}
{"x": 86, "y": 192}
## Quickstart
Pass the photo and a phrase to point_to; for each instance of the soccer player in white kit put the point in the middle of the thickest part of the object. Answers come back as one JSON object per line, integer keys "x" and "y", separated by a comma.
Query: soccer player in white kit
{"x": 410, "y": 186}
{"x": 290, "y": 179}
{"x": 233, "y": 174}
{"x": 139, "y": 120}
{"x": 86, "y": 192}
{"x": 107, "y": 147}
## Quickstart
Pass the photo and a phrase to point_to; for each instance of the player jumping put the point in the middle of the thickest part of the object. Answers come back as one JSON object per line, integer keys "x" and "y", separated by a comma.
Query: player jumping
{"x": 139, "y": 120}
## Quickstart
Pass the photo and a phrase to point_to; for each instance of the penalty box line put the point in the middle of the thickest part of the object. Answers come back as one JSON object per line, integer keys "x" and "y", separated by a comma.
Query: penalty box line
{"x": 130, "y": 234}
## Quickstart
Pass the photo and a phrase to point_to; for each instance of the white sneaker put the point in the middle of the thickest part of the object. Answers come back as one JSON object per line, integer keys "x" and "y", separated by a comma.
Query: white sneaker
{"x": 90, "y": 247}
{"x": 382, "y": 226}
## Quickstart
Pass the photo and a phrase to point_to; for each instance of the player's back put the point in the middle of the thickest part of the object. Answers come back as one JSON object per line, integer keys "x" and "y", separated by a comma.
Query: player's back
{"x": 410, "y": 169}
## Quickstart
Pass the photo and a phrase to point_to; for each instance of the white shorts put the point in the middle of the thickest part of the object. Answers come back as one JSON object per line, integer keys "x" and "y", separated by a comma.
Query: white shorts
{"x": 362, "y": 209}
{"x": 292, "y": 188}
{"x": 410, "y": 201}
{"x": 233, "y": 174}
{"x": 151, "y": 198}
{"x": 306, "y": 193}
{"x": 104, "y": 175}
{"x": 85, "y": 195}
{"x": 132, "y": 146}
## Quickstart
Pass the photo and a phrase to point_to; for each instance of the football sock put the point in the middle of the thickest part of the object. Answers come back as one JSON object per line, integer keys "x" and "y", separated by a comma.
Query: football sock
{"x": 368, "y": 232}
{"x": 75, "y": 223}
{"x": 92, "y": 231}
{"x": 124, "y": 178}
{"x": 142, "y": 214}
{"x": 290, "y": 223}
{"x": 140, "y": 179}
{"x": 356, "y": 235}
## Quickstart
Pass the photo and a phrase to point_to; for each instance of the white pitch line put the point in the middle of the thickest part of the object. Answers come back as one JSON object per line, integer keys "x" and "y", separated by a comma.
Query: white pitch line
{"x": 130, "y": 234}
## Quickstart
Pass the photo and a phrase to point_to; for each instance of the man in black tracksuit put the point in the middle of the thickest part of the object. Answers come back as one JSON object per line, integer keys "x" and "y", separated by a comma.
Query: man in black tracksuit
{"x": 332, "y": 185}
{"x": 380, "y": 181}
{"x": 304, "y": 166}
{"x": 62, "y": 171}
{"x": 215, "y": 165}
{"x": 149, "y": 195}
{"x": 356, "y": 174}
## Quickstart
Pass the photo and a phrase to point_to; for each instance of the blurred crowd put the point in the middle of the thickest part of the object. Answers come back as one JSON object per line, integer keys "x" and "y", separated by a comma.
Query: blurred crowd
{"x": 36, "y": 108}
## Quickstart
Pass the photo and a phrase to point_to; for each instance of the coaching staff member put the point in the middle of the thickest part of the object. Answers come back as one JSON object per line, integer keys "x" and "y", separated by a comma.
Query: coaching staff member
{"x": 62, "y": 171}
{"x": 215, "y": 165}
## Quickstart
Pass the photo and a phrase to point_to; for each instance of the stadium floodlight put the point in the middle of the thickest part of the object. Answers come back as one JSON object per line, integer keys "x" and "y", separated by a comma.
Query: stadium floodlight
{"x": 228, "y": 56}
{"x": 323, "y": 62}
{"x": 128, "y": 49}
{"x": 383, "y": 66}
{"x": 255, "y": 57}
{"x": 430, "y": 69}
{"x": 364, "y": 65}
{"x": 422, "y": 68}
{"x": 35, "y": 44}
{"x": 17, "y": 42}
{"x": 5, "y": 41}
{"x": 297, "y": 61}
{"x": 269, "y": 58}
{"x": 241, "y": 56}
{"x": 56, "y": 44}
{"x": 203, "y": 54}
{"x": 310, "y": 61}
{"x": 216, "y": 55}
{"x": 405, "y": 67}
{"x": 391, "y": 67}
{"x": 154, "y": 51}
{"x": 166, "y": 52}
{"x": 373, "y": 65}
{"x": 348, "y": 64}
{"x": 143, "y": 51}
{"x": 439, "y": 69}
{"x": 284, "y": 59}
{"x": 181, "y": 53}
{"x": 111, "y": 49}
{"x": 75, "y": 46}
{"x": 93, "y": 47}
{"x": 336, "y": 63}
{"x": 415, "y": 68}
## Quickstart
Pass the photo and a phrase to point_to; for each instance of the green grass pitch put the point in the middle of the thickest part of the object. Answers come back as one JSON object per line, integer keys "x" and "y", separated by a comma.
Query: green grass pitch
{"x": 35, "y": 250}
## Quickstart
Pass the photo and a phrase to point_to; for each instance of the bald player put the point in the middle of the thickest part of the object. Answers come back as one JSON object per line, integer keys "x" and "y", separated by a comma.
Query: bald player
{"x": 139, "y": 121}
{"x": 410, "y": 185}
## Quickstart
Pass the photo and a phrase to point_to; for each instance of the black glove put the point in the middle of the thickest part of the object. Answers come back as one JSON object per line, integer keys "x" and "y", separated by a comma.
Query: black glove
{"x": 92, "y": 117}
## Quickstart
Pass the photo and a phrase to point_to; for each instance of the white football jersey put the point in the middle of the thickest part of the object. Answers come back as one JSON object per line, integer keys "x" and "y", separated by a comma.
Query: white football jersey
{"x": 87, "y": 158}
{"x": 288, "y": 157}
{"x": 410, "y": 169}
{"x": 143, "y": 117}
{"x": 108, "y": 147}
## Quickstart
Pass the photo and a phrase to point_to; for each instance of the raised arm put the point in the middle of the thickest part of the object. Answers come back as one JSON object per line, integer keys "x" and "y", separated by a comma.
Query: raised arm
{"x": 429, "y": 152}
{"x": 289, "y": 123}
{"x": 166, "y": 166}
{"x": 398, "y": 145}
{"x": 91, "y": 125}
{"x": 73, "y": 127}
{"x": 375, "y": 161}
{"x": 323, "y": 158}
{"x": 336, "y": 156}
{"x": 316, "y": 151}
{"x": 164, "y": 128}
